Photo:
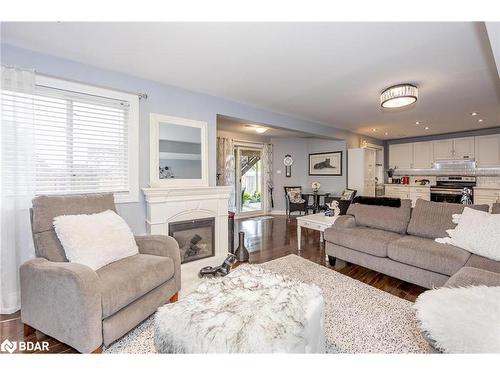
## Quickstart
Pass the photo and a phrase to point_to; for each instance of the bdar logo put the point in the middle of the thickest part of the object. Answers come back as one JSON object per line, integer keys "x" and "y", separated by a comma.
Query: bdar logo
{"x": 8, "y": 346}
{"x": 22, "y": 346}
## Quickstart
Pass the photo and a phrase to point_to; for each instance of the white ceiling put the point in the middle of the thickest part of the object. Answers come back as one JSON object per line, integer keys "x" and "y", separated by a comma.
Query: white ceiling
{"x": 229, "y": 124}
{"x": 328, "y": 72}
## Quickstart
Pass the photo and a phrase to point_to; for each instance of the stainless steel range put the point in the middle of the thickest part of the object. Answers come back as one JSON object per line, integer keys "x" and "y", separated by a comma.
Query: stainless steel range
{"x": 449, "y": 188}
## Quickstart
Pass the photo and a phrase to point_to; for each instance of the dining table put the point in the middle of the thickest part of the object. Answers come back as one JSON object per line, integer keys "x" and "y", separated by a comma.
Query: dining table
{"x": 316, "y": 197}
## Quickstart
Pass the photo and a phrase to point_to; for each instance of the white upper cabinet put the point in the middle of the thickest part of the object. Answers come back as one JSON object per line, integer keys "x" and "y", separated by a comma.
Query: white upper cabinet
{"x": 423, "y": 155}
{"x": 401, "y": 156}
{"x": 463, "y": 148}
{"x": 443, "y": 149}
{"x": 488, "y": 151}
{"x": 458, "y": 148}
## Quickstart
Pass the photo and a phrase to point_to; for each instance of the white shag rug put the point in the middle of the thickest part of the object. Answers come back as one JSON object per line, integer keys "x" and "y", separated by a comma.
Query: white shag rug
{"x": 252, "y": 310}
{"x": 358, "y": 318}
{"x": 461, "y": 320}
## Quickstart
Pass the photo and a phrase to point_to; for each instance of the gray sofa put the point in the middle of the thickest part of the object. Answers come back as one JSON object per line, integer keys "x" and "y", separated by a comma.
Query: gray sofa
{"x": 84, "y": 308}
{"x": 399, "y": 242}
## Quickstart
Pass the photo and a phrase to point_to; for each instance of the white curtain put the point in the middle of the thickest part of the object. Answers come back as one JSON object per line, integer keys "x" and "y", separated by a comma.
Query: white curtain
{"x": 16, "y": 180}
{"x": 226, "y": 167}
{"x": 267, "y": 157}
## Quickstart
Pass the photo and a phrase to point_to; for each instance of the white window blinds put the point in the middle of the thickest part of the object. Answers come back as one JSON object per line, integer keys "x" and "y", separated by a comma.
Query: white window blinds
{"x": 81, "y": 141}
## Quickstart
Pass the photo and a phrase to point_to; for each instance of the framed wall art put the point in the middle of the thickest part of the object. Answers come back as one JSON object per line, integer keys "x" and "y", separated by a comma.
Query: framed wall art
{"x": 325, "y": 164}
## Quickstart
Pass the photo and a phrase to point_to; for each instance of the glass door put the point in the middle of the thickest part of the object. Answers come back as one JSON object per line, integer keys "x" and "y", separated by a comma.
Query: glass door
{"x": 249, "y": 180}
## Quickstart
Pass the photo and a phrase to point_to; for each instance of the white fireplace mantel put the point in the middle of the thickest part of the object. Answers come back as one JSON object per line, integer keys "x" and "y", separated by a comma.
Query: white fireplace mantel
{"x": 167, "y": 205}
{"x": 166, "y": 194}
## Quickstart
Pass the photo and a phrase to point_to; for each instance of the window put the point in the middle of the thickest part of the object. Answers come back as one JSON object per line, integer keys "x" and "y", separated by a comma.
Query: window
{"x": 85, "y": 139}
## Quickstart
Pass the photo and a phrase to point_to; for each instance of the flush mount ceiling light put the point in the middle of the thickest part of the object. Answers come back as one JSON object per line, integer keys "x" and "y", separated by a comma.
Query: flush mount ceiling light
{"x": 474, "y": 114}
{"x": 399, "y": 96}
{"x": 258, "y": 129}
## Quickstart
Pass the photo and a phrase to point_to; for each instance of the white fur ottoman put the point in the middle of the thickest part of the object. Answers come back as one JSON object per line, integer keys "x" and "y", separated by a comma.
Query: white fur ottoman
{"x": 251, "y": 310}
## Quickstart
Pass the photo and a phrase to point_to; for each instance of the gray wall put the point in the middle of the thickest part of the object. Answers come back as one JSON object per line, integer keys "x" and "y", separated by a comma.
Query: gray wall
{"x": 166, "y": 100}
{"x": 333, "y": 184}
{"x": 299, "y": 149}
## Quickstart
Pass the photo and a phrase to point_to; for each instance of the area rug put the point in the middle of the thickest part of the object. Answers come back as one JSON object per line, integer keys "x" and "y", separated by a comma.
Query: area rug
{"x": 359, "y": 318}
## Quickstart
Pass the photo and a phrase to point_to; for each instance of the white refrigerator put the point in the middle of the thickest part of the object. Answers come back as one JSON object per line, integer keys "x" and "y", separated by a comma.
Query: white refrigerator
{"x": 361, "y": 170}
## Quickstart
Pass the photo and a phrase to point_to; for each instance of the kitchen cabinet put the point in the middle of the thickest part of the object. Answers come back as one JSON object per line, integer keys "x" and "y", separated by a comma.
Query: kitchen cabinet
{"x": 463, "y": 148}
{"x": 401, "y": 156}
{"x": 487, "y": 149}
{"x": 457, "y": 148}
{"x": 419, "y": 193}
{"x": 408, "y": 192}
{"x": 423, "y": 155}
{"x": 397, "y": 191}
{"x": 486, "y": 196}
{"x": 443, "y": 149}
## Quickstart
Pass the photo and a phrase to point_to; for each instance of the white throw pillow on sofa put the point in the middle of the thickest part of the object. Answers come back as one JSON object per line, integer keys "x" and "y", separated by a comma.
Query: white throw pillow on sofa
{"x": 477, "y": 232}
{"x": 461, "y": 320}
{"x": 95, "y": 240}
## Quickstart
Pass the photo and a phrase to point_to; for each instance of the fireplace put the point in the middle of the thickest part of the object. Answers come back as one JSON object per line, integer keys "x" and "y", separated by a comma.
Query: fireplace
{"x": 196, "y": 238}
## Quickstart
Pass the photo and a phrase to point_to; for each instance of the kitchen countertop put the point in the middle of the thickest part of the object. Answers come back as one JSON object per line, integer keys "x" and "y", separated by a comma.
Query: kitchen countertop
{"x": 487, "y": 187}
{"x": 409, "y": 185}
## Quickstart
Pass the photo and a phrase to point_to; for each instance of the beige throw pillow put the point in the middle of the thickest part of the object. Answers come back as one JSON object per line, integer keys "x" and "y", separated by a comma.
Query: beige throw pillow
{"x": 295, "y": 196}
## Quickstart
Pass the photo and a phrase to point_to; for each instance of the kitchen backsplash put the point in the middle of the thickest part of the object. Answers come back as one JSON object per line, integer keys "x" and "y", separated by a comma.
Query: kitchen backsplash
{"x": 483, "y": 172}
{"x": 481, "y": 181}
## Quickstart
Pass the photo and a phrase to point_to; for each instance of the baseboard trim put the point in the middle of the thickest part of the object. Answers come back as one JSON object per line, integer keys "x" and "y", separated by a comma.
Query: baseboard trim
{"x": 278, "y": 212}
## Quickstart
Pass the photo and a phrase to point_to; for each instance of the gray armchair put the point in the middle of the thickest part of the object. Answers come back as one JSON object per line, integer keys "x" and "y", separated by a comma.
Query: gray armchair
{"x": 84, "y": 308}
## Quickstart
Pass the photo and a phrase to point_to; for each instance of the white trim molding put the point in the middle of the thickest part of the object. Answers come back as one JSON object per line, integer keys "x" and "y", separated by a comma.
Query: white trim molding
{"x": 154, "y": 151}
{"x": 132, "y": 194}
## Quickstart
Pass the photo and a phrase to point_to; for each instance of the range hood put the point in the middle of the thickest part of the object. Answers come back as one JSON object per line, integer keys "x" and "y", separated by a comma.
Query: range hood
{"x": 460, "y": 164}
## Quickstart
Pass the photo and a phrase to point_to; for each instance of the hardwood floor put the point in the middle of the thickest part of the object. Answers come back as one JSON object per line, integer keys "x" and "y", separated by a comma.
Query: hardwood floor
{"x": 267, "y": 238}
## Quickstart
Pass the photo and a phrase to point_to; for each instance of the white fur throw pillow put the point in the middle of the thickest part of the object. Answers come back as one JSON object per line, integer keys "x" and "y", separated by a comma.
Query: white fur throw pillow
{"x": 477, "y": 232}
{"x": 461, "y": 320}
{"x": 95, "y": 240}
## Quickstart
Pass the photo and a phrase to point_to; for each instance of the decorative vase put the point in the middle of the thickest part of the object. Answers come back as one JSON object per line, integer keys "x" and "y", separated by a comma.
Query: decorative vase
{"x": 241, "y": 252}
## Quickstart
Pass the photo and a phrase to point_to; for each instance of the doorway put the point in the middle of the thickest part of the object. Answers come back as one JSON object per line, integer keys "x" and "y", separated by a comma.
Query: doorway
{"x": 249, "y": 180}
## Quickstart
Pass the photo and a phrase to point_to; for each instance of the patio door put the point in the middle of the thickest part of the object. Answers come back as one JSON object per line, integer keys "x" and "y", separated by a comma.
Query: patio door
{"x": 249, "y": 180}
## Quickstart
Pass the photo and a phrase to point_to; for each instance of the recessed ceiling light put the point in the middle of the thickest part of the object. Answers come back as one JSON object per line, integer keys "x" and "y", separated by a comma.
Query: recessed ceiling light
{"x": 474, "y": 114}
{"x": 480, "y": 120}
{"x": 417, "y": 123}
{"x": 426, "y": 128}
{"x": 399, "y": 96}
{"x": 386, "y": 133}
{"x": 260, "y": 130}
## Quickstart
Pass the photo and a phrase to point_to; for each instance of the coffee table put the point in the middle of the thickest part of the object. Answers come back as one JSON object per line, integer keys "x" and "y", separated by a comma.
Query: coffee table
{"x": 318, "y": 222}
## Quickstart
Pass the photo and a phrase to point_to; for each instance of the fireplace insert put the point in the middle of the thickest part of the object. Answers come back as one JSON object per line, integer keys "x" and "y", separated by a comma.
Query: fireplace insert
{"x": 196, "y": 238}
